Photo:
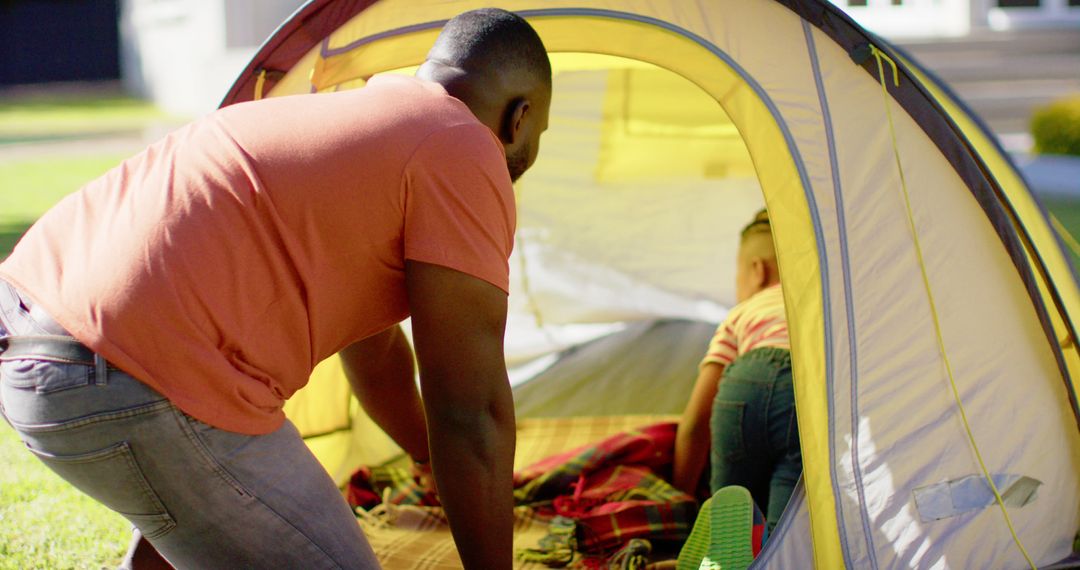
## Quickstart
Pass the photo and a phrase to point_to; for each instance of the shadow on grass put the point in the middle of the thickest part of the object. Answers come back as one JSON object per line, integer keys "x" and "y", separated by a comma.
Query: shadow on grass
{"x": 10, "y": 234}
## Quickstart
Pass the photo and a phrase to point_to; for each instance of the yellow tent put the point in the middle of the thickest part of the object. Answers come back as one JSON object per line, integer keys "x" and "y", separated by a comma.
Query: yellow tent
{"x": 932, "y": 309}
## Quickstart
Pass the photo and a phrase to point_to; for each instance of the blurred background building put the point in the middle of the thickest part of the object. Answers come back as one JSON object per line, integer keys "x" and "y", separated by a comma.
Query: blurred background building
{"x": 1003, "y": 57}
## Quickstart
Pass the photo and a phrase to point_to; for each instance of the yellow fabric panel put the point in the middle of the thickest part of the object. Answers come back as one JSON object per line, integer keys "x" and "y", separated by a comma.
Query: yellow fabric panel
{"x": 323, "y": 405}
{"x": 375, "y": 57}
{"x": 334, "y": 427}
{"x": 332, "y": 451}
{"x": 1042, "y": 234}
{"x": 800, "y": 272}
{"x": 646, "y": 137}
{"x": 298, "y": 79}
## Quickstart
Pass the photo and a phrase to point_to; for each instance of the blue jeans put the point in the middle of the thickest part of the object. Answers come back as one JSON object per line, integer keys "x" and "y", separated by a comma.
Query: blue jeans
{"x": 204, "y": 497}
{"x": 755, "y": 438}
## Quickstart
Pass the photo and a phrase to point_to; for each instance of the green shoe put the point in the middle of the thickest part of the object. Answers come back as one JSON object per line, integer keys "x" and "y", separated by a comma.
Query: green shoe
{"x": 722, "y": 534}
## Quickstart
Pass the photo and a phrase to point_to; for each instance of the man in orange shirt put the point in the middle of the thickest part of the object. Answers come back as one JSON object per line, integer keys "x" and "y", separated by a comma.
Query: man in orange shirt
{"x": 160, "y": 317}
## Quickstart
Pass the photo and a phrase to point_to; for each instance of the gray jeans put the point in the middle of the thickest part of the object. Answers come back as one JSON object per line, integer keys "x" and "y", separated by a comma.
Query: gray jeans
{"x": 204, "y": 497}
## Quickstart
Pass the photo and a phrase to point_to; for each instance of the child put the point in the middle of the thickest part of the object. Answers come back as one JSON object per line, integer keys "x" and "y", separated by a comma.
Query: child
{"x": 743, "y": 406}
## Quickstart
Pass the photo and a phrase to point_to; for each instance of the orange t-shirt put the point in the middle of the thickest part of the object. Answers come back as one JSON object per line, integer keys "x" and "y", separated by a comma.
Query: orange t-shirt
{"x": 225, "y": 261}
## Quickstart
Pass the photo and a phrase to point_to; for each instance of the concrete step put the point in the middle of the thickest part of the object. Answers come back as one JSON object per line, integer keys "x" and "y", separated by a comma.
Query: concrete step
{"x": 975, "y": 91}
{"x": 1007, "y": 106}
{"x": 991, "y": 44}
{"x": 1004, "y": 76}
{"x": 1004, "y": 114}
{"x": 1011, "y": 67}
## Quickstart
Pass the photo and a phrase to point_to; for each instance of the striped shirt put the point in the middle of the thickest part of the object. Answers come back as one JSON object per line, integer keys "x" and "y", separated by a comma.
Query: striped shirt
{"x": 757, "y": 322}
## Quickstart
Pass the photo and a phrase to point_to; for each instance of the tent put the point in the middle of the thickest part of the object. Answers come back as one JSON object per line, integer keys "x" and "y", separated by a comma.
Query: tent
{"x": 932, "y": 310}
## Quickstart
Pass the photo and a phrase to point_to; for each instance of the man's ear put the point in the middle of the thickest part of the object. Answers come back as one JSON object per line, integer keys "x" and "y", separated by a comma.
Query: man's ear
{"x": 514, "y": 120}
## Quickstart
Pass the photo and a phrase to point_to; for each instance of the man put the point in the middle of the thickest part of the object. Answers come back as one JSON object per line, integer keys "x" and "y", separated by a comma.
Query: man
{"x": 203, "y": 279}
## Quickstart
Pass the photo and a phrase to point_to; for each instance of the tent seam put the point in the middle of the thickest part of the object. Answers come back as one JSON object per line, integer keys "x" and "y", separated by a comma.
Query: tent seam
{"x": 830, "y": 138}
{"x": 783, "y": 526}
{"x": 327, "y": 51}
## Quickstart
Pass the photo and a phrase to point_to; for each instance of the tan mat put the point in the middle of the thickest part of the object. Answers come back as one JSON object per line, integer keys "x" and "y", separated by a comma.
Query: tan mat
{"x": 418, "y": 538}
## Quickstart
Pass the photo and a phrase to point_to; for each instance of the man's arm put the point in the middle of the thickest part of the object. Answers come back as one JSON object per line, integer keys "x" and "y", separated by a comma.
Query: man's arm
{"x": 692, "y": 439}
{"x": 381, "y": 373}
{"x": 458, "y": 323}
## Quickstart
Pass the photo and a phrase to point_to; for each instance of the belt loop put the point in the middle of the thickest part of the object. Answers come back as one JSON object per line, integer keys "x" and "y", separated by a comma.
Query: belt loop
{"x": 101, "y": 371}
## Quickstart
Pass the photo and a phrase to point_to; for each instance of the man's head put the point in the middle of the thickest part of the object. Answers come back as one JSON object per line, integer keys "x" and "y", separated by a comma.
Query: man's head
{"x": 755, "y": 268}
{"x": 494, "y": 62}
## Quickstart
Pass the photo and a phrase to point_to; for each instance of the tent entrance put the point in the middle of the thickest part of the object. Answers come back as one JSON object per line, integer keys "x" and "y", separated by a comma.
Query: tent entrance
{"x": 660, "y": 148}
{"x": 647, "y": 115}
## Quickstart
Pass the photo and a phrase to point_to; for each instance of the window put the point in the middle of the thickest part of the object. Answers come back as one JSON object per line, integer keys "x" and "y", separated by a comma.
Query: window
{"x": 1020, "y": 3}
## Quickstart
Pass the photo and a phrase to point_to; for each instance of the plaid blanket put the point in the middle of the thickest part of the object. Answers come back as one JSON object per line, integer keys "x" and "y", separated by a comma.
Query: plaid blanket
{"x": 395, "y": 485}
{"x": 613, "y": 490}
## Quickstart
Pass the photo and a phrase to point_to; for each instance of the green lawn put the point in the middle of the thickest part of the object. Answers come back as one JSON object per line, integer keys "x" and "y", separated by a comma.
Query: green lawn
{"x": 43, "y": 116}
{"x": 29, "y": 187}
{"x": 44, "y": 522}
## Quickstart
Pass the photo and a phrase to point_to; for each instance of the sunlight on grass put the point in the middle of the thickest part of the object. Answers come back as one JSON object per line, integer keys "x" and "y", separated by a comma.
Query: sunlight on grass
{"x": 45, "y": 523}
{"x": 43, "y": 116}
{"x": 29, "y": 187}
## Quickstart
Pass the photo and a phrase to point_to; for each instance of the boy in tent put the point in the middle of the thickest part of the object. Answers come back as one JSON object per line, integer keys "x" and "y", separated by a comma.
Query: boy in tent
{"x": 743, "y": 406}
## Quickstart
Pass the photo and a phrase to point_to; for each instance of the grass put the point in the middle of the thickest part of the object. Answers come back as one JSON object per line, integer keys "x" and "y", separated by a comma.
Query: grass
{"x": 44, "y": 522}
{"x": 43, "y": 116}
{"x": 29, "y": 187}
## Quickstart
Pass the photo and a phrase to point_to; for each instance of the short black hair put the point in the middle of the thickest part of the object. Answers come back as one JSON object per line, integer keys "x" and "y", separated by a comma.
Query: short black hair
{"x": 497, "y": 40}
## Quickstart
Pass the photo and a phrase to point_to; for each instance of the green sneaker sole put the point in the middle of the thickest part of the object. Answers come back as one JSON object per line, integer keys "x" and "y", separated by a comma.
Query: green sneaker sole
{"x": 722, "y": 534}
{"x": 732, "y": 513}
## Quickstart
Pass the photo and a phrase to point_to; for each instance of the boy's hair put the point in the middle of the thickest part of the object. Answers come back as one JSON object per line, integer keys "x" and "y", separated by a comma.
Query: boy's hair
{"x": 759, "y": 225}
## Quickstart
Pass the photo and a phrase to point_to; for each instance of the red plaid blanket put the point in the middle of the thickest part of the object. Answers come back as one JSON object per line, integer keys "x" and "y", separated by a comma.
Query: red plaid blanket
{"x": 613, "y": 489}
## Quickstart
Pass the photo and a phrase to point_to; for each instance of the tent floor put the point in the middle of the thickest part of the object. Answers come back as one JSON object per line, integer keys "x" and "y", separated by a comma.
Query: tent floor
{"x": 409, "y": 537}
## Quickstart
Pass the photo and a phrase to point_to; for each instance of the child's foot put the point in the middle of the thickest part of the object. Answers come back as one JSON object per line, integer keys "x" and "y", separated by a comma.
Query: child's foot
{"x": 722, "y": 534}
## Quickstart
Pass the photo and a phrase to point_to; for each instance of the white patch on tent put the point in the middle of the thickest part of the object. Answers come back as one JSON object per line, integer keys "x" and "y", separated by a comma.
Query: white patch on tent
{"x": 970, "y": 493}
{"x": 904, "y": 533}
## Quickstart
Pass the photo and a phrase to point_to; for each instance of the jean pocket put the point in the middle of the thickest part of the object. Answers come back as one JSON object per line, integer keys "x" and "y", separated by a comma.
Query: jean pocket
{"x": 45, "y": 377}
{"x": 112, "y": 477}
{"x": 727, "y": 430}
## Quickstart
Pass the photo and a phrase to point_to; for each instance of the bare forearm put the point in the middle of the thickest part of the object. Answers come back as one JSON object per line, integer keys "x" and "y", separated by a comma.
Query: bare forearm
{"x": 458, "y": 324}
{"x": 692, "y": 442}
{"x": 472, "y": 458}
{"x": 404, "y": 421}
{"x": 382, "y": 375}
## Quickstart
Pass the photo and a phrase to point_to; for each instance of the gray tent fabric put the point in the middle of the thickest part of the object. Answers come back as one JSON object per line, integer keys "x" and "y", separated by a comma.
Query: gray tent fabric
{"x": 646, "y": 368}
